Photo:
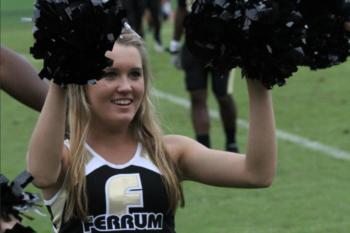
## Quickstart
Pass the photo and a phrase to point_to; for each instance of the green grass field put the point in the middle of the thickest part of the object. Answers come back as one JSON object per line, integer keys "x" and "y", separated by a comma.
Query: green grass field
{"x": 311, "y": 192}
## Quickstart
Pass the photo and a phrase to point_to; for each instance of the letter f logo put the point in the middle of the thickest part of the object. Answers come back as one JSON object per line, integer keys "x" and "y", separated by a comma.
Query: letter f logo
{"x": 122, "y": 192}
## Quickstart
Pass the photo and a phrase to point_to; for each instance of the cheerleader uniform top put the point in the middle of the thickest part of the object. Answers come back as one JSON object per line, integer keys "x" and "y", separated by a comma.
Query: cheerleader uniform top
{"x": 123, "y": 198}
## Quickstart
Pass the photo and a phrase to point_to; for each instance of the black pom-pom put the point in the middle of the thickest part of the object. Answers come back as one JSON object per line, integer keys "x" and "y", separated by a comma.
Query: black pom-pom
{"x": 207, "y": 33}
{"x": 14, "y": 200}
{"x": 263, "y": 37}
{"x": 327, "y": 42}
{"x": 274, "y": 44}
{"x": 72, "y": 36}
{"x": 344, "y": 9}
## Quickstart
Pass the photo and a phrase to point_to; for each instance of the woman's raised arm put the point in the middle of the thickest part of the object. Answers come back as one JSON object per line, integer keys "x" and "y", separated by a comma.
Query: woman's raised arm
{"x": 222, "y": 168}
{"x": 45, "y": 154}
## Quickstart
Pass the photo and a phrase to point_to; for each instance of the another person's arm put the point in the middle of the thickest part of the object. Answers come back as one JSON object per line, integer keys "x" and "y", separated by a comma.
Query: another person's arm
{"x": 20, "y": 80}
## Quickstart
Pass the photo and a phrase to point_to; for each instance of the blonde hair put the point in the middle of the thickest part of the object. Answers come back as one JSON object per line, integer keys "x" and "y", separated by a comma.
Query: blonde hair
{"x": 144, "y": 127}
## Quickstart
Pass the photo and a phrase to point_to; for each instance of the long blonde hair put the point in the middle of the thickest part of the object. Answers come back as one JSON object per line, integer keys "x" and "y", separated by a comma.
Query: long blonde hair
{"x": 144, "y": 126}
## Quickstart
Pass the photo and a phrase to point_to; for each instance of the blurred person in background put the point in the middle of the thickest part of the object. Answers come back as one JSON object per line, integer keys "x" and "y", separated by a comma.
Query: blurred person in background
{"x": 196, "y": 79}
{"x": 135, "y": 11}
{"x": 154, "y": 20}
{"x": 166, "y": 9}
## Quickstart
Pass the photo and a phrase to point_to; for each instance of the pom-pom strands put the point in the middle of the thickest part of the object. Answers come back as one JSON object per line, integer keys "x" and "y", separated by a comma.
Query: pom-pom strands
{"x": 327, "y": 42}
{"x": 14, "y": 200}
{"x": 72, "y": 37}
{"x": 264, "y": 38}
{"x": 268, "y": 39}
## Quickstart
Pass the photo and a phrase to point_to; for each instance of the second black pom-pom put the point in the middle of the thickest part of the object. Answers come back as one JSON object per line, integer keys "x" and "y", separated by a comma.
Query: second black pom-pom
{"x": 263, "y": 37}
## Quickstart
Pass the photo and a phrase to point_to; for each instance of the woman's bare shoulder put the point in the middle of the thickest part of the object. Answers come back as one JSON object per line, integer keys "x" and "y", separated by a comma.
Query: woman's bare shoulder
{"x": 176, "y": 145}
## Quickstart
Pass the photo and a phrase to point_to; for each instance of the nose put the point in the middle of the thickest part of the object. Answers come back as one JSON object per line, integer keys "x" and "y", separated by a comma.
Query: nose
{"x": 123, "y": 84}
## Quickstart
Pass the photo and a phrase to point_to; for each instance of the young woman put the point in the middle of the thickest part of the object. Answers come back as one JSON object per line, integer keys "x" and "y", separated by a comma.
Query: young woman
{"x": 117, "y": 172}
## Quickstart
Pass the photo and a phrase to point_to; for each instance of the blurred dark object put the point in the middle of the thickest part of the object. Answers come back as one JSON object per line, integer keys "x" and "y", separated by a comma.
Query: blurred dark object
{"x": 72, "y": 36}
{"x": 14, "y": 201}
{"x": 268, "y": 39}
{"x": 264, "y": 38}
{"x": 327, "y": 41}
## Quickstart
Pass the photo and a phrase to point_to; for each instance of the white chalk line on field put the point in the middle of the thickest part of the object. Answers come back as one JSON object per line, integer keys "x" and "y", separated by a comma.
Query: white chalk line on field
{"x": 307, "y": 143}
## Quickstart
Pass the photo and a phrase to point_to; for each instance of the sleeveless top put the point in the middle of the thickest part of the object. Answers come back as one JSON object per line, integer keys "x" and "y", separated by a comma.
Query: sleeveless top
{"x": 123, "y": 198}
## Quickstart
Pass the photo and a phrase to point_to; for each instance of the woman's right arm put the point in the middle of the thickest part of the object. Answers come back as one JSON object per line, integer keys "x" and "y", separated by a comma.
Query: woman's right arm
{"x": 45, "y": 155}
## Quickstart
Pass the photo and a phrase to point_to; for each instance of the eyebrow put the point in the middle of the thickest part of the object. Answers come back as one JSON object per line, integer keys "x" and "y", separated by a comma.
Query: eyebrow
{"x": 114, "y": 69}
{"x": 137, "y": 69}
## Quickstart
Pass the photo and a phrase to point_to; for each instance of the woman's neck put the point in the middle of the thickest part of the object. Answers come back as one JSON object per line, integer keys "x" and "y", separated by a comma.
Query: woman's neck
{"x": 114, "y": 146}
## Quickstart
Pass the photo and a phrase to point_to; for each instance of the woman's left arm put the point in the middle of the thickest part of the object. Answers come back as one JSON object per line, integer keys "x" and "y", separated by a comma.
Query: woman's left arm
{"x": 222, "y": 168}
{"x": 260, "y": 162}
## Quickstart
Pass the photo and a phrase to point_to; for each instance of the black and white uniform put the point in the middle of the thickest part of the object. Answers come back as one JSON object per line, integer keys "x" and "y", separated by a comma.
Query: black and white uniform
{"x": 123, "y": 198}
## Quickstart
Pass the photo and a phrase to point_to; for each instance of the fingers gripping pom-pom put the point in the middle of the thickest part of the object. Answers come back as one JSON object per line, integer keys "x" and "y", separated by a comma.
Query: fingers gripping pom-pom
{"x": 72, "y": 36}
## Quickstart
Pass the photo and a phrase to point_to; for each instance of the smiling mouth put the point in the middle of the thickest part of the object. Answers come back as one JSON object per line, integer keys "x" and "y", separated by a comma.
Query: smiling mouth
{"x": 122, "y": 102}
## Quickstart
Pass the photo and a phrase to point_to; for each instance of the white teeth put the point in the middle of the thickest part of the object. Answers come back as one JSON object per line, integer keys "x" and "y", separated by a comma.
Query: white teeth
{"x": 122, "y": 101}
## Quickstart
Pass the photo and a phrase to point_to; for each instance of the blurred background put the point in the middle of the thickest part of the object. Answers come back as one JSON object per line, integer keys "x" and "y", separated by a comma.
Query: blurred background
{"x": 311, "y": 192}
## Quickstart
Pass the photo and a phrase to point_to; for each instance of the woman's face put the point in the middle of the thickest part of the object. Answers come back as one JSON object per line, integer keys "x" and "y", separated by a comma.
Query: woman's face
{"x": 116, "y": 98}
